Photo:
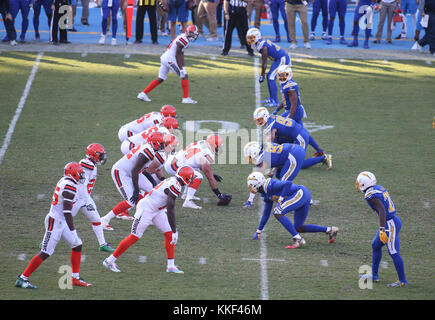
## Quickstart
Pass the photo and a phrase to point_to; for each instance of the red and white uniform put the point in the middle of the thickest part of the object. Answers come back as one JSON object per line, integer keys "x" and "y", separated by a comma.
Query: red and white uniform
{"x": 141, "y": 137}
{"x": 136, "y": 126}
{"x": 152, "y": 208}
{"x": 56, "y": 227}
{"x": 168, "y": 61}
{"x": 121, "y": 171}
{"x": 193, "y": 156}
{"x": 85, "y": 203}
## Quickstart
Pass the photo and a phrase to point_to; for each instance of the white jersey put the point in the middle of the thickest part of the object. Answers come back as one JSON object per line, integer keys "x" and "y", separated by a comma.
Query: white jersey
{"x": 156, "y": 199}
{"x": 171, "y": 52}
{"x": 195, "y": 155}
{"x": 127, "y": 162}
{"x": 142, "y": 137}
{"x": 146, "y": 121}
{"x": 65, "y": 184}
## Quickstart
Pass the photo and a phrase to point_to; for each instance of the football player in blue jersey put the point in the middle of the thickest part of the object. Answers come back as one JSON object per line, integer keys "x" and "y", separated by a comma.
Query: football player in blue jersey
{"x": 270, "y": 50}
{"x": 364, "y": 9}
{"x": 285, "y": 130}
{"x": 290, "y": 197}
{"x": 334, "y": 7}
{"x": 317, "y": 6}
{"x": 379, "y": 200}
{"x": 37, "y": 4}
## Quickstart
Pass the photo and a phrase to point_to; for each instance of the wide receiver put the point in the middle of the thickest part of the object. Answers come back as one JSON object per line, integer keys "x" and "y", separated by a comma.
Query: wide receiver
{"x": 59, "y": 225}
{"x": 199, "y": 156}
{"x": 173, "y": 60}
{"x": 146, "y": 121}
{"x": 158, "y": 207}
{"x": 290, "y": 197}
{"x": 127, "y": 174}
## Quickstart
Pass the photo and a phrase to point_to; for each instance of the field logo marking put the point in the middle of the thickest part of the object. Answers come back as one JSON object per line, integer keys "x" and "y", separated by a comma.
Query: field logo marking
{"x": 367, "y": 281}
{"x": 20, "y": 107}
{"x": 195, "y": 125}
{"x": 65, "y": 281}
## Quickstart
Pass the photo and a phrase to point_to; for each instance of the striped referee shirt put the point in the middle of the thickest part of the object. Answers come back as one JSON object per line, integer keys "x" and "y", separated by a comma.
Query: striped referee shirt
{"x": 237, "y": 3}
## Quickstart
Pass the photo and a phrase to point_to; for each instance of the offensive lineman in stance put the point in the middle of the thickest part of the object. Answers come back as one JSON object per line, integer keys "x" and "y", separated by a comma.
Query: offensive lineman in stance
{"x": 59, "y": 225}
{"x": 158, "y": 208}
{"x": 173, "y": 60}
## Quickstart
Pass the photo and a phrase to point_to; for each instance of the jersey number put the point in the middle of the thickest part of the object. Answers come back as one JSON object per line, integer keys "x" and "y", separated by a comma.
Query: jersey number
{"x": 132, "y": 152}
{"x": 274, "y": 148}
{"x": 284, "y": 121}
{"x": 391, "y": 206}
{"x": 55, "y": 199}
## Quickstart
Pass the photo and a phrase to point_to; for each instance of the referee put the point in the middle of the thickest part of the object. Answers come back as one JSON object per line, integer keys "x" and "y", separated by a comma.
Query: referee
{"x": 235, "y": 17}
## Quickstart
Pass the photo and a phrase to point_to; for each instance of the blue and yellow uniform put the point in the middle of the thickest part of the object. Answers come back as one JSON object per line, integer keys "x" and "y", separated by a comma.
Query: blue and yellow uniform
{"x": 287, "y": 157}
{"x": 291, "y": 85}
{"x": 363, "y": 8}
{"x": 110, "y": 7}
{"x": 392, "y": 228}
{"x": 294, "y": 198}
{"x": 279, "y": 57}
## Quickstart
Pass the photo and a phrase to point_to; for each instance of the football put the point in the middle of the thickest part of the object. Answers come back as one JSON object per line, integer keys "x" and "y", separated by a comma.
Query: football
{"x": 163, "y": 5}
{"x": 226, "y": 200}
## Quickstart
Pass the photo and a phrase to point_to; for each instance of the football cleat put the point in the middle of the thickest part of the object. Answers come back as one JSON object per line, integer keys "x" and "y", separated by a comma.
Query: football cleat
{"x": 190, "y": 204}
{"x": 191, "y": 198}
{"x": 113, "y": 42}
{"x": 107, "y": 227}
{"x": 25, "y": 284}
{"x": 107, "y": 248}
{"x": 174, "y": 269}
{"x": 188, "y": 100}
{"x": 124, "y": 216}
{"x": 80, "y": 283}
{"x": 267, "y": 100}
{"x": 272, "y": 104}
{"x": 111, "y": 266}
{"x": 329, "y": 40}
{"x": 102, "y": 39}
{"x": 332, "y": 234}
{"x": 369, "y": 276}
{"x": 299, "y": 243}
{"x": 324, "y": 36}
{"x": 397, "y": 284}
{"x": 307, "y": 45}
{"x": 343, "y": 41}
{"x": 328, "y": 161}
{"x": 143, "y": 96}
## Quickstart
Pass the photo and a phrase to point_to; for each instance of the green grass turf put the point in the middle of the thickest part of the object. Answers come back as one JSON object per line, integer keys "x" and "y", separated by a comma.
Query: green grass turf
{"x": 381, "y": 115}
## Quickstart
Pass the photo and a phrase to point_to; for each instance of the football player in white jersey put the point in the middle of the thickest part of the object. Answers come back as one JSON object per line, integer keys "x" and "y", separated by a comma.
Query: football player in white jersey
{"x": 95, "y": 156}
{"x": 59, "y": 225}
{"x": 168, "y": 126}
{"x": 158, "y": 207}
{"x": 146, "y": 121}
{"x": 126, "y": 174}
{"x": 199, "y": 156}
{"x": 173, "y": 60}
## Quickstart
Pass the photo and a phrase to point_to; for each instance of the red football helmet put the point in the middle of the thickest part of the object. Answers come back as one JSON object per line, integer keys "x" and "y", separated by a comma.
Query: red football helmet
{"x": 156, "y": 140}
{"x": 215, "y": 142}
{"x": 75, "y": 171}
{"x": 185, "y": 175}
{"x": 192, "y": 32}
{"x": 96, "y": 153}
{"x": 170, "y": 123}
{"x": 168, "y": 111}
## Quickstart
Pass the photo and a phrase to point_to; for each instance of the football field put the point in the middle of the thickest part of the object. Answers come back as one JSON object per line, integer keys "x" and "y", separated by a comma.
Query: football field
{"x": 369, "y": 114}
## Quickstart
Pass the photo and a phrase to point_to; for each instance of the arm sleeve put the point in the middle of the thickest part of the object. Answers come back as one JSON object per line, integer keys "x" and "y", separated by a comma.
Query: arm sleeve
{"x": 266, "y": 214}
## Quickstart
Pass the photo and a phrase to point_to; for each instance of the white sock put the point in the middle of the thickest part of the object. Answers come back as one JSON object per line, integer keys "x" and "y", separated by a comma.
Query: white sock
{"x": 24, "y": 277}
{"x": 111, "y": 258}
{"x": 328, "y": 229}
{"x": 297, "y": 237}
{"x": 190, "y": 193}
{"x": 76, "y": 275}
{"x": 109, "y": 216}
{"x": 171, "y": 263}
{"x": 98, "y": 230}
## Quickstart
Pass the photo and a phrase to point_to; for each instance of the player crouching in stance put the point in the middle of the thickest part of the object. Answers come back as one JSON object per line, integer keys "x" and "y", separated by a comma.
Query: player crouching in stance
{"x": 158, "y": 207}
{"x": 173, "y": 60}
{"x": 379, "y": 200}
{"x": 291, "y": 197}
{"x": 59, "y": 225}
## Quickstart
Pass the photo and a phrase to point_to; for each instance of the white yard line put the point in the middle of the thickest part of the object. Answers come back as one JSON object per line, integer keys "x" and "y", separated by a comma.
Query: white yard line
{"x": 20, "y": 107}
{"x": 263, "y": 247}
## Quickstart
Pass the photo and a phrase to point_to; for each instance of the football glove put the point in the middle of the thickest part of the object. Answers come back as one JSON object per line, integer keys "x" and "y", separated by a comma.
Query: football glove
{"x": 135, "y": 196}
{"x": 217, "y": 177}
{"x": 383, "y": 235}
{"x": 174, "y": 238}
{"x": 248, "y": 204}
{"x": 261, "y": 79}
{"x": 277, "y": 210}
{"x": 256, "y": 236}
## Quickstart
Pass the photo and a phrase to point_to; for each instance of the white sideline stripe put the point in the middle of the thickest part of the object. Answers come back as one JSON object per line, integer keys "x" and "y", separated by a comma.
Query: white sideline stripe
{"x": 142, "y": 259}
{"x": 21, "y": 257}
{"x": 20, "y": 107}
{"x": 255, "y": 259}
{"x": 202, "y": 260}
{"x": 263, "y": 248}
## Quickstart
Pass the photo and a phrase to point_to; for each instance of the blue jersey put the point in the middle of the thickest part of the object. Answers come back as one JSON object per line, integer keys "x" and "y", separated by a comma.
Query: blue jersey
{"x": 274, "y": 51}
{"x": 291, "y": 85}
{"x": 285, "y": 127}
{"x": 275, "y": 155}
{"x": 273, "y": 189}
{"x": 382, "y": 194}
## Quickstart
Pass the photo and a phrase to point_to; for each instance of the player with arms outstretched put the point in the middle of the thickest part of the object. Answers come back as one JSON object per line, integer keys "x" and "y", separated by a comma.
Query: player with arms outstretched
{"x": 59, "y": 225}
{"x": 268, "y": 49}
{"x": 199, "y": 156}
{"x": 173, "y": 60}
{"x": 379, "y": 200}
{"x": 290, "y": 197}
{"x": 158, "y": 207}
